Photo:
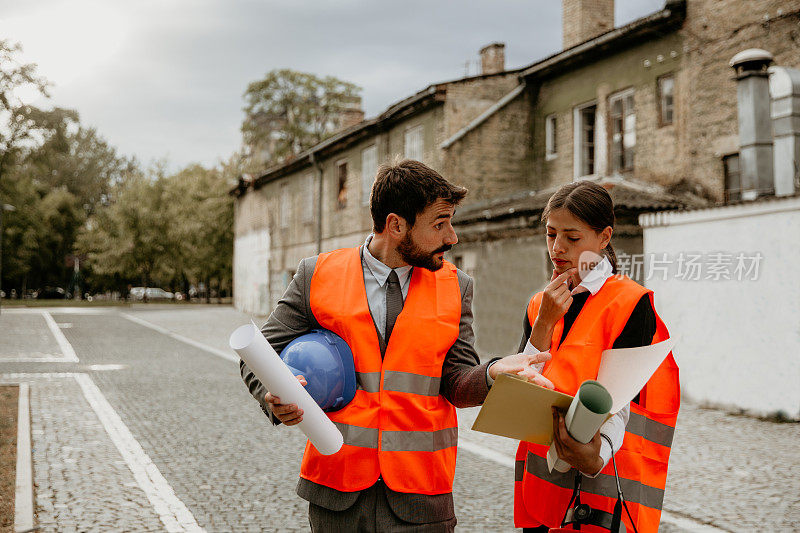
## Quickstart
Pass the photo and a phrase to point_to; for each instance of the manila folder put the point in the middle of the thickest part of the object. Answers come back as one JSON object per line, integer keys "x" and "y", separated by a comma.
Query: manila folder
{"x": 518, "y": 409}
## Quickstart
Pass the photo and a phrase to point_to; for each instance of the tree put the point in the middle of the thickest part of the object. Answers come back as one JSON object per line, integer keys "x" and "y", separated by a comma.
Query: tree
{"x": 78, "y": 159}
{"x": 288, "y": 112}
{"x": 201, "y": 225}
{"x": 127, "y": 238}
{"x": 20, "y": 122}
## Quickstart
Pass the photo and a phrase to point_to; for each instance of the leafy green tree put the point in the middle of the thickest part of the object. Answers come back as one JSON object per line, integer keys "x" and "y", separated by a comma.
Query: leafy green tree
{"x": 287, "y": 112}
{"x": 20, "y": 122}
{"x": 127, "y": 238}
{"x": 201, "y": 225}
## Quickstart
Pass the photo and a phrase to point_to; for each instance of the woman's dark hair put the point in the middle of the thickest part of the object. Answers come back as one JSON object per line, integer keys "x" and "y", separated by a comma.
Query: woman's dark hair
{"x": 405, "y": 188}
{"x": 588, "y": 202}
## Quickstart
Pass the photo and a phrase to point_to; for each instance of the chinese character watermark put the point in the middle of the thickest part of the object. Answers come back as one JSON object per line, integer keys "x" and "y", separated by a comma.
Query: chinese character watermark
{"x": 691, "y": 266}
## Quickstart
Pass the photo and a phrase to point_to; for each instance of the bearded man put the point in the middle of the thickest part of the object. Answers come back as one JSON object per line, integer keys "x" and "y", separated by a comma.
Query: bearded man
{"x": 406, "y": 314}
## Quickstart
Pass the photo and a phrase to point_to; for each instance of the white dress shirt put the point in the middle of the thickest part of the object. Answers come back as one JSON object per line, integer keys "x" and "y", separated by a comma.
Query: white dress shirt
{"x": 614, "y": 427}
{"x": 375, "y": 276}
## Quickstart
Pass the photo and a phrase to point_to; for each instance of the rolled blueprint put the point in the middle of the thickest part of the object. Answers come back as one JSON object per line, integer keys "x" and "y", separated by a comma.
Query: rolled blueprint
{"x": 270, "y": 370}
{"x": 587, "y": 412}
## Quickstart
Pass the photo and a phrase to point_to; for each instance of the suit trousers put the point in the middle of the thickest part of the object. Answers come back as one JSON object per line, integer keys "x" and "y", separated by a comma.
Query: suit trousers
{"x": 370, "y": 512}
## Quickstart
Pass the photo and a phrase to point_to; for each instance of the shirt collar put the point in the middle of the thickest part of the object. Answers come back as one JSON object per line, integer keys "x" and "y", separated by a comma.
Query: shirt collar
{"x": 596, "y": 278}
{"x": 379, "y": 270}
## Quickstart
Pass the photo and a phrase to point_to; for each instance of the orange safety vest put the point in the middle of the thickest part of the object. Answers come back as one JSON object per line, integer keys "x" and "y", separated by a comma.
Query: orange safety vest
{"x": 541, "y": 497}
{"x": 398, "y": 426}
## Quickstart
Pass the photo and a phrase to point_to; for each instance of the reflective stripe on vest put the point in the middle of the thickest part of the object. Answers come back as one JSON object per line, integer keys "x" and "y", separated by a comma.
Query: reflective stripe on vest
{"x": 419, "y": 441}
{"x": 651, "y": 430}
{"x": 398, "y": 426}
{"x": 399, "y": 382}
{"x": 602, "y": 484}
{"x": 541, "y": 497}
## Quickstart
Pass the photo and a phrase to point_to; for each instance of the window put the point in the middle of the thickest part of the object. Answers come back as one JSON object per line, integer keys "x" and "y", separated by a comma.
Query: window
{"x": 413, "y": 149}
{"x": 369, "y": 165}
{"x": 308, "y": 197}
{"x": 286, "y": 206}
{"x": 623, "y": 131}
{"x": 666, "y": 85}
{"x": 585, "y": 139}
{"x": 733, "y": 178}
{"x": 341, "y": 196}
{"x": 551, "y": 149}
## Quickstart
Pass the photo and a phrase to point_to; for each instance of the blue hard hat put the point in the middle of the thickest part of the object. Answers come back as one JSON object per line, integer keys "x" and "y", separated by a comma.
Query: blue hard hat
{"x": 326, "y": 361}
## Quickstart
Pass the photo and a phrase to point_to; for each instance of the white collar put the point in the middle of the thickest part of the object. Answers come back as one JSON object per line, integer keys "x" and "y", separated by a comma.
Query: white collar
{"x": 595, "y": 278}
{"x": 381, "y": 271}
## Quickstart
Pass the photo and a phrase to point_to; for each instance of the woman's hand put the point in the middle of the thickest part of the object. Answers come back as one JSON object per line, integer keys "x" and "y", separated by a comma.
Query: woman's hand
{"x": 556, "y": 299}
{"x": 584, "y": 457}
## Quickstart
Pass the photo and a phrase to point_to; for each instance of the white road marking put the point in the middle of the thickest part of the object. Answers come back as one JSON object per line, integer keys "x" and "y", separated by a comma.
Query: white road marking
{"x": 101, "y": 368}
{"x": 23, "y": 500}
{"x": 66, "y": 310}
{"x": 686, "y": 523}
{"x": 486, "y": 453}
{"x": 172, "y": 512}
{"x": 63, "y": 343}
{"x": 210, "y": 349}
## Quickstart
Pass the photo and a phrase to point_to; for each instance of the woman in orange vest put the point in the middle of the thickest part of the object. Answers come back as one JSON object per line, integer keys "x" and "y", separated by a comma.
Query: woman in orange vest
{"x": 584, "y": 310}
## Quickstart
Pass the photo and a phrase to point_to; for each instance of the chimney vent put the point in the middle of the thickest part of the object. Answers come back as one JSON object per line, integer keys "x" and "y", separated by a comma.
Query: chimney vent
{"x": 493, "y": 58}
{"x": 784, "y": 87}
{"x": 755, "y": 127}
{"x": 585, "y": 19}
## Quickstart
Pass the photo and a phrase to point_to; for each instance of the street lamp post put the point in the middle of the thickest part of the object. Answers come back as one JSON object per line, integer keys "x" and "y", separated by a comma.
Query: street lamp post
{"x": 3, "y": 208}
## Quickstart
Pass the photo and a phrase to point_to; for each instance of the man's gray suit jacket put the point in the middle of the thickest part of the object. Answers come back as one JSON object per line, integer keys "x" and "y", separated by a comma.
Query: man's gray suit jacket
{"x": 463, "y": 384}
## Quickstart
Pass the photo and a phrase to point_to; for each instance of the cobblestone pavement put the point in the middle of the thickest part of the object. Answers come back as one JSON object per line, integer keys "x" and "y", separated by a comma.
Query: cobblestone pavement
{"x": 17, "y": 344}
{"x": 191, "y": 415}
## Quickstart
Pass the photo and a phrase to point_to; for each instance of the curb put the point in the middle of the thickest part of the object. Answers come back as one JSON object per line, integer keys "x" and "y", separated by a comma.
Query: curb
{"x": 23, "y": 500}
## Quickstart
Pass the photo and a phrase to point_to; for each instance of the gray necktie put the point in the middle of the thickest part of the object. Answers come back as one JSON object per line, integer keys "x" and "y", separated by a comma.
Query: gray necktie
{"x": 394, "y": 302}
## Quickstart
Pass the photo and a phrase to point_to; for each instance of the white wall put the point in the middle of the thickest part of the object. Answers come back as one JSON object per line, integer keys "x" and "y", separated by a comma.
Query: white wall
{"x": 251, "y": 272}
{"x": 739, "y": 338}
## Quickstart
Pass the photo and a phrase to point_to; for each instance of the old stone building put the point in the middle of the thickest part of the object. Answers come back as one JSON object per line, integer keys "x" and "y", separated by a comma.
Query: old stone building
{"x": 648, "y": 109}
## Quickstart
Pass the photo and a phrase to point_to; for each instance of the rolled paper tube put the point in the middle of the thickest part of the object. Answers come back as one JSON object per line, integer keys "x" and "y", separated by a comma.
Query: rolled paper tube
{"x": 270, "y": 370}
{"x": 587, "y": 412}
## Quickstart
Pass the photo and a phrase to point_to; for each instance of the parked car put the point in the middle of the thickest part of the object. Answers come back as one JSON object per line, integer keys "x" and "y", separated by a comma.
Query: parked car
{"x": 152, "y": 293}
{"x": 51, "y": 293}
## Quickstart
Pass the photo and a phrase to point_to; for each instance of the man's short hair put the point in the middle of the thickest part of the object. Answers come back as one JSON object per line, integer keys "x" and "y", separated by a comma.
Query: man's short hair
{"x": 406, "y": 187}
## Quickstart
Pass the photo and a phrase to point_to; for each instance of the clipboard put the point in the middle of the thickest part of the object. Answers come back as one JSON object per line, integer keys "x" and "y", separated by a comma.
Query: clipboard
{"x": 520, "y": 410}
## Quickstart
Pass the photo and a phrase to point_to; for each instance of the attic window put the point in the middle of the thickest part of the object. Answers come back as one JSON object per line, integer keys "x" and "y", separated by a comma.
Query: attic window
{"x": 551, "y": 148}
{"x": 585, "y": 139}
{"x": 733, "y": 178}
{"x": 666, "y": 86}
{"x": 623, "y": 131}
{"x": 341, "y": 172}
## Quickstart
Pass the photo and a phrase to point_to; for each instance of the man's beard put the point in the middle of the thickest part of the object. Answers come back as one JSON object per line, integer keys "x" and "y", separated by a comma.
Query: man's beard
{"x": 416, "y": 256}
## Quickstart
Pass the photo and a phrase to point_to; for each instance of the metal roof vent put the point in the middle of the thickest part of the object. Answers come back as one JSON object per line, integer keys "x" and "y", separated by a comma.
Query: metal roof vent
{"x": 751, "y": 62}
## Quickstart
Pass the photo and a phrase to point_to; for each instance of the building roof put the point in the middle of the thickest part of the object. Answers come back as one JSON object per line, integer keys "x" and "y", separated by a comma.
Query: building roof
{"x": 668, "y": 19}
{"x": 431, "y": 95}
{"x": 628, "y": 195}
{"x": 659, "y": 23}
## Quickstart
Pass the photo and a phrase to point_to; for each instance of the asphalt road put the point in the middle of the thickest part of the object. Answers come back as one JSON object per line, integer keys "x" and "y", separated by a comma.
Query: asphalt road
{"x": 152, "y": 429}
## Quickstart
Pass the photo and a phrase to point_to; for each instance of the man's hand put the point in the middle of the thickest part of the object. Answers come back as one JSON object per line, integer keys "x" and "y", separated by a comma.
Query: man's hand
{"x": 289, "y": 414}
{"x": 584, "y": 457}
{"x": 522, "y": 365}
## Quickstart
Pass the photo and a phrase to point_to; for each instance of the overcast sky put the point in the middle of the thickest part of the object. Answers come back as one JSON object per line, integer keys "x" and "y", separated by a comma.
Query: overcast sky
{"x": 165, "y": 78}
